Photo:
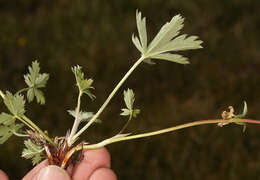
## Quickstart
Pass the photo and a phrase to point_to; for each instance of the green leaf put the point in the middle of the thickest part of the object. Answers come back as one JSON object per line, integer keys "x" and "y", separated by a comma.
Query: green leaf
{"x": 244, "y": 111}
{"x": 129, "y": 98}
{"x": 32, "y": 151}
{"x": 239, "y": 116}
{"x": 30, "y": 95}
{"x": 125, "y": 112}
{"x": 5, "y": 134}
{"x": 141, "y": 26}
{"x": 83, "y": 84}
{"x": 36, "y": 80}
{"x": 166, "y": 33}
{"x": 165, "y": 41}
{"x": 39, "y": 96}
{"x": 83, "y": 116}
{"x": 180, "y": 43}
{"x": 14, "y": 103}
{"x": 34, "y": 71}
{"x": 137, "y": 43}
{"x": 172, "y": 57}
{"x": 7, "y": 131}
{"x": 136, "y": 112}
{"x": 41, "y": 80}
{"x": 15, "y": 127}
{"x": 6, "y": 119}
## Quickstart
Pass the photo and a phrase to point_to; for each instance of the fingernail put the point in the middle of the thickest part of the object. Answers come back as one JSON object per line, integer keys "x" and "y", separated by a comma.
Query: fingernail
{"x": 53, "y": 173}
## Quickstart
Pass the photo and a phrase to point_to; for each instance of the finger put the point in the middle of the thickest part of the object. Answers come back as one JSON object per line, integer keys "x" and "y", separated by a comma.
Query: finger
{"x": 93, "y": 159}
{"x": 52, "y": 173}
{"x": 35, "y": 170}
{"x": 103, "y": 173}
{"x": 3, "y": 176}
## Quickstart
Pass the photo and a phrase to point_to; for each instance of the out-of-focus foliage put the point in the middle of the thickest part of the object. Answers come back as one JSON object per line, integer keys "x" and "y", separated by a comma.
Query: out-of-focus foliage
{"x": 97, "y": 35}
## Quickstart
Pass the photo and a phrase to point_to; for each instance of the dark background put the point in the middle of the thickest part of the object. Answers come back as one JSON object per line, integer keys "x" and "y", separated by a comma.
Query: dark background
{"x": 97, "y": 35}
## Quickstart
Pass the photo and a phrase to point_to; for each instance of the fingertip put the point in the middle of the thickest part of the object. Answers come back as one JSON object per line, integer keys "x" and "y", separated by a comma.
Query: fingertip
{"x": 103, "y": 173}
{"x": 93, "y": 159}
{"x": 30, "y": 175}
{"x": 3, "y": 176}
{"x": 52, "y": 172}
{"x": 100, "y": 156}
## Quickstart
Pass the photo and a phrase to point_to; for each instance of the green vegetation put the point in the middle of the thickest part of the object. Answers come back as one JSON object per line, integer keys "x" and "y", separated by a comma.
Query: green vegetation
{"x": 167, "y": 94}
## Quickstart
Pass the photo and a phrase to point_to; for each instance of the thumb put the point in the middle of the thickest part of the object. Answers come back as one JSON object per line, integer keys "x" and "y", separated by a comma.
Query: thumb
{"x": 52, "y": 173}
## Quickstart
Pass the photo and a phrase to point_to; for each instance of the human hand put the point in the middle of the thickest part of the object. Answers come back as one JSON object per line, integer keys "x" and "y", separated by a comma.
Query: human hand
{"x": 94, "y": 166}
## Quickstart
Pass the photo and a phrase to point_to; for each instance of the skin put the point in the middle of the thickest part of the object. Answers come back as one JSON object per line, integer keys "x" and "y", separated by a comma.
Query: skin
{"x": 94, "y": 166}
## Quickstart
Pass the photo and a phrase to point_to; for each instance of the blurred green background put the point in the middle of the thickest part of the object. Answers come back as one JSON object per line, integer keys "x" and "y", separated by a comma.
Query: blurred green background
{"x": 97, "y": 35}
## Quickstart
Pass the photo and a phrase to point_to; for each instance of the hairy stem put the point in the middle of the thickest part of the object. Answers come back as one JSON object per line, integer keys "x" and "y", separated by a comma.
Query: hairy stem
{"x": 76, "y": 121}
{"x": 109, "y": 98}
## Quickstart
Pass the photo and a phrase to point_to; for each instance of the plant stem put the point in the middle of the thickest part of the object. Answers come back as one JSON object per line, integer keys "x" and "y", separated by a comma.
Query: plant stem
{"x": 35, "y": 127}
{"x": 128, "y": 121}
{"x": 25, "y": 122}
{"x": 22, "y": 90}
{"x": 178, "y": 127}
{"x": 109, "y": 98}
{"x": 174, "y": 128}
{"x": 28, "y": 122}
{"x": 76, "y": 121}
{"x": 19, "y": 134}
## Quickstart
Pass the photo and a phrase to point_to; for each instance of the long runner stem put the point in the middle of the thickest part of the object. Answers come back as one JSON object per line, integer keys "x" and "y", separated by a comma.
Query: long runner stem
{"x": 153, "y": 133}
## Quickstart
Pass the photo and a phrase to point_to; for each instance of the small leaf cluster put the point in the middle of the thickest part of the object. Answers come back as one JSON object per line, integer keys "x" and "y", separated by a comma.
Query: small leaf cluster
{"x": 32, "y": 151}
{"x": 12, "y": 123}
{"x": 36, "y": 80}
{"x": 229, "y": 117}
{"x": 83, "y": 84}
{"x": 129, "y": 98}
{"x": 83, "y": 116}
{"x": 6, "y": 131}
{"x": 166, "y": 41}
{"x": 8, "y": 125}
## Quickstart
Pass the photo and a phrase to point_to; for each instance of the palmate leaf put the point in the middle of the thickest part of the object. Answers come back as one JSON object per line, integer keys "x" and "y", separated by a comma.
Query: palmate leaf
{"x": 32, "y": 151}
{"x": 35, "y": 80}
{"x": 166, "y": 41}
{"x": 5, "y": 134}
{"x": 166, "y": 33}
{"x": 14, "y": 103}
{"x": 129, "y": 98}
{"x": 83, "y": 84}
{"x": 83, "y": 116}
{"x": 6, "y": 119}
{"x": 7, "y": 131}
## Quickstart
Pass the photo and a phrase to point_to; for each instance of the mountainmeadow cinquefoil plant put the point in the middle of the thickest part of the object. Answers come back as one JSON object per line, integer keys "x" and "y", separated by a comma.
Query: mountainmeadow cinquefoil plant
{"x": 166, "y": 45}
